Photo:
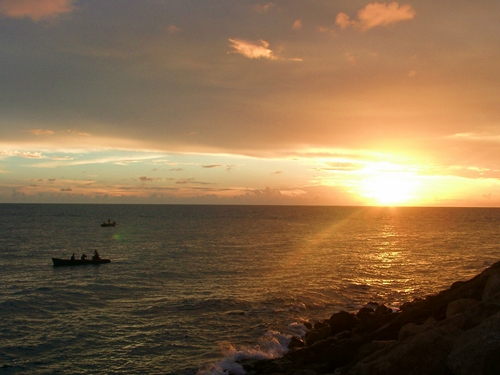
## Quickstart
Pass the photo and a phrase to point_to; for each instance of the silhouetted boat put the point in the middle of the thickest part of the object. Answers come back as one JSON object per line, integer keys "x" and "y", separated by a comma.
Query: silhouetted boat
{"x": 77, "y": 262}
{"x": 109, "y": 224}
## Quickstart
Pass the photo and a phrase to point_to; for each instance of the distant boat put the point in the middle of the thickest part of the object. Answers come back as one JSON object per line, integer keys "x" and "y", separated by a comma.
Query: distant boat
{"x": 109, "y": 224}
{"x": 77, "y": 262}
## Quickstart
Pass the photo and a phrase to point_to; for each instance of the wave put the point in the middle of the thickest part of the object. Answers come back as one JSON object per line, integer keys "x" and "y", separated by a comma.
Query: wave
{"x": 272, "y": 345}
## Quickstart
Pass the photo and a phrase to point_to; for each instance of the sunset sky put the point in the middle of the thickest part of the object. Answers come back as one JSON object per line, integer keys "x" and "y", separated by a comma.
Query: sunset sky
{"x": 250, "y": 102}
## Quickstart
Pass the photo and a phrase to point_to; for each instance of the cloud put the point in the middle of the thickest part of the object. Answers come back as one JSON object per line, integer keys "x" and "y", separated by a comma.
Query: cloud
{"x": 41, "y": 131}
{"x": 263, "y": 8}
{"x": 145, "y": 178}
{"x": 252, "y": 50}
{"x": 35, "y": 9}
{"x": 67, "y": 189}
{"x": 211, "y": 166}
{"x": 377, "y": 14}
{"x": 297, "y": 25}
{"x": 193, "y": 182}
{"x": 62, "y": 158}
{"x": 341, "y": 166}
{"x": 172, "y": 29}
{"x": 24, "y": 154}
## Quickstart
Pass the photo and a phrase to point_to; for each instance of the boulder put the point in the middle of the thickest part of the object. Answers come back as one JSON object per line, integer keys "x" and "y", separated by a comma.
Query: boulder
{"x": 457, "y": 320}
{"x": 412, "y": 329}
{"x": 382, "y": 309}
{"x": 459, "y": 306}
{"x": 425, "y": 353}
{"x": 365, "y": 312}
{"x": 295, "y": 342}
{"x": 478, "y": 350}
{"x": 342, "y": 321}
{"x": 478, "y": 313}
{"x": 317, "y": 335}
{"x": 492, "y": 286}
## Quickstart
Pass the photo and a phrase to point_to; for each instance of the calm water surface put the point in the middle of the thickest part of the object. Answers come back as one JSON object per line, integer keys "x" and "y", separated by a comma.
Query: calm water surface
{"x": 192, "y": 287}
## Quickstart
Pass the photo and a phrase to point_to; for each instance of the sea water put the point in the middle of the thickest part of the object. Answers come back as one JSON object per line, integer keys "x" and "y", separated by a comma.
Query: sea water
{"x": 192, "y": 288}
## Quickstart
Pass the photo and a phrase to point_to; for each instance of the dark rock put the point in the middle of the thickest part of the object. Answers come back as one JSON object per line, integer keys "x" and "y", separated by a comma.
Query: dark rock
{"x": 342, "y": 321}
{"x": 319, "y": 325}
{"x": 295, "y": 342}
{"x": 373, "y": 323}
{"x": 363, "y": 352}
{"x": 478, "y": 313}
{"x": 421, "y": 354}
{"x": 478, "y": 350}
{"x": 365, "y": 312}
{"x": 457, "y": 320}
{"x": 412, "y": 329}
{"x": 382, "y": 310}
{"x": 344, "y": 335}
{"x": 457, "y": 284}
{"x": 305, "y": 372}
{"x": 492, "y": 286}
{"x": 317, "y": 335}
{"x": 312, "y": 353}
{"x": 265, "y": 366}
{"x": 431, "y": 331}
{"x": 459, "y": 306}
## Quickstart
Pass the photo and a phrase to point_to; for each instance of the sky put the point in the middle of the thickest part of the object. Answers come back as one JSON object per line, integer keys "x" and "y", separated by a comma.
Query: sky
{"x": 307, "y": 102}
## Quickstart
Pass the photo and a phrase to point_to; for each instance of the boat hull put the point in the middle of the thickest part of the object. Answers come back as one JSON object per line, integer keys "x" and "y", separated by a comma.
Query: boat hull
{"x": 58, "y": 262}
{"x": 109, "y": 224}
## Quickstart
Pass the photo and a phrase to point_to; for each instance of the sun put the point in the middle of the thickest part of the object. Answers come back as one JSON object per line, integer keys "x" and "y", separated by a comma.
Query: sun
{"x": 389, "y": 188}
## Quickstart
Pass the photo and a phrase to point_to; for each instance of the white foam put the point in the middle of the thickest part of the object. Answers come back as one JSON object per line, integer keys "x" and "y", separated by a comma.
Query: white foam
{"x": 272, "y": 345}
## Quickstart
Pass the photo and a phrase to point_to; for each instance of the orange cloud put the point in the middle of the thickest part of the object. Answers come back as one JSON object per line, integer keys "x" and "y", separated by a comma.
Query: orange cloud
{"x": 172, "y": 29}
{"x": 377, "y": 14}
{"x": 264, "y": 8}
{"x": 297, "y": 25}
{"x": 35, "y": 9}
{"x": 252, "y": 50}
{"x": 41, "y": 131}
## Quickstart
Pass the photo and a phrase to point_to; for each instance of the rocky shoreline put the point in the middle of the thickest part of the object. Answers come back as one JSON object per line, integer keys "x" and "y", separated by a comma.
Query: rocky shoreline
{"x": 455, "y": 332}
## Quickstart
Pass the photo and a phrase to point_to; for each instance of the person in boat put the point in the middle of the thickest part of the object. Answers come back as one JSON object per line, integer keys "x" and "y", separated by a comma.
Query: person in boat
{"x": 83, "y": 257}
{"x": 96, "y": 255}
{"x": 73, "y": 257}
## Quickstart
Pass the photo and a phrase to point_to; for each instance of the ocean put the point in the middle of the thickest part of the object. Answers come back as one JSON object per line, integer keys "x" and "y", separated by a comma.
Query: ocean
{"x": 192, "y": 288}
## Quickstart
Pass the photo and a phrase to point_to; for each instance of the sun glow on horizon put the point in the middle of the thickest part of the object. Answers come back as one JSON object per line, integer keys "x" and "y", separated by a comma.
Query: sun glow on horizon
{"x": 393, "y": 188}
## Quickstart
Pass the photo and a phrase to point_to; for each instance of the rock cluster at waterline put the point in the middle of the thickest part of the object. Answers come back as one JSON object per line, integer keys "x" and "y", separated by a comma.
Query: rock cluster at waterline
{"x": 456, "y": 332}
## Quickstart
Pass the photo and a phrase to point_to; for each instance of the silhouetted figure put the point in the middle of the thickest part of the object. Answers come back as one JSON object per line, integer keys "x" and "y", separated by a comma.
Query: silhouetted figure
{"x": 83, "y": 257}
{"x": 96, "y": 255}
{"x": 73, "y": 256}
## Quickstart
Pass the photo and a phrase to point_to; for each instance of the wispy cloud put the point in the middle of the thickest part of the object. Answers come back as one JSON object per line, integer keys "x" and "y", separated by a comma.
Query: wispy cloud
{"x": 24, "y": 154}
{"x": 172, "y": 29}
{"x": 193, "y": 182}
{"x": 41, "y": 131}
{"x": 252, "y": 50}
{"x": 377, "y": 14}
{"x": 297, "y": 25}
{"x": 211, "y": 166}
{"x": 149, "y": 179}
{"x": 35, "y": 9}
{"x": 264, "y": 8}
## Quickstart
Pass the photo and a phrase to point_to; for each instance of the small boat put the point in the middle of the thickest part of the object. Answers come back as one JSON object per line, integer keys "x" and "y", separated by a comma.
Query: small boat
{"x": 109, "y": 224}
{"x": 78, "y": 262}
